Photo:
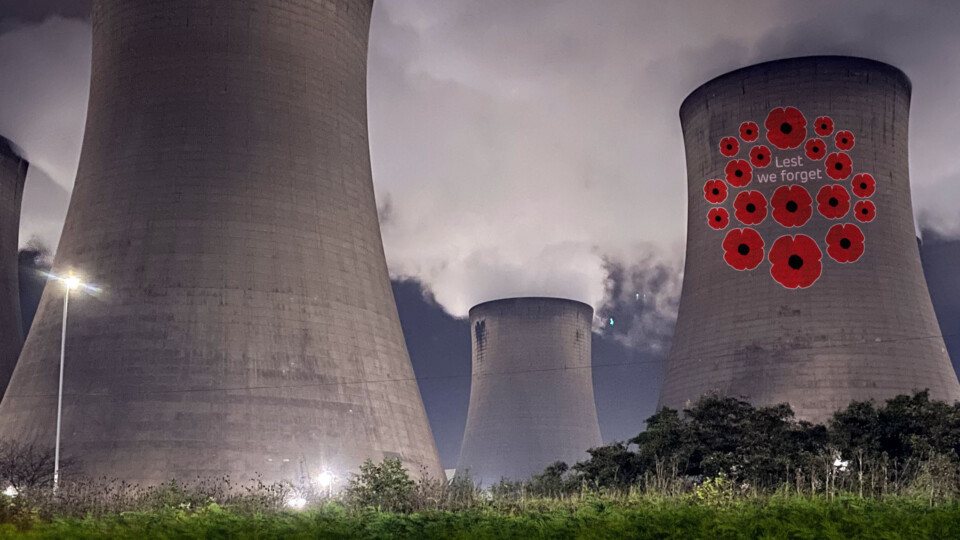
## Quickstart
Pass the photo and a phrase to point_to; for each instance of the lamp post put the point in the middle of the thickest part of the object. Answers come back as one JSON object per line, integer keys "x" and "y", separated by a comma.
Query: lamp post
{"x": 70, "y": 283}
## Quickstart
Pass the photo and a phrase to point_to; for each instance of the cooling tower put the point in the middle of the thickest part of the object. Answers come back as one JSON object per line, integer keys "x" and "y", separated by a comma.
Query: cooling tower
{"x": 13, "y": 172}
{"x": 531, "y": 392}
{"x": 224, "y": 205}
{"x": 803, "y": 281}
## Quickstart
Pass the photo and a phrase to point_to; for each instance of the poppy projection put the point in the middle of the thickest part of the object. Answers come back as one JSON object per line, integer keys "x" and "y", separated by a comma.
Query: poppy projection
{"x": 796, "y": 261}
{"x": 718, "y": 218}
{"x": 743, "y": 249}
{"x": 792, "y": 206}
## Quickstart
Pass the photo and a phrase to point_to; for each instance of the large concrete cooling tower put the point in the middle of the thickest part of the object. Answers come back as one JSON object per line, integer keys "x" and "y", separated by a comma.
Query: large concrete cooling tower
{"x": 531, "y": 395}
{"x": 13, "y": 172}
{"x": 224, "y": 204}
{"x": 803, "y": 281}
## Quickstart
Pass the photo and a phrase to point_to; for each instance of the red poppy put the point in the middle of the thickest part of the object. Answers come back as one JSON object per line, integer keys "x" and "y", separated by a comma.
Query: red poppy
{"x": 864, "y": 211}
{"x": 786, "y": 127}
{"x": 729, "y": 146}
{"x": 718, "y": 218}
{"x": 823, "y": 126}
{"x": 833, "y": 201}
{"x": 845, "y": 243}
{"x": 815, "y": 149}
{"x": 844, "y": 140}
{"x": 750, "y": 207}
{"x": 796, "y": 261}
{"x": 715, "y": 191}
{"x": 743, "y": 249}
{"x": 749, "y": 131}
{"x": 863, "y": 185}
{"x": 739, "y": 173}
{"x": 839, "y": 166}
{"x": 792, "y": 206}
{"x": 760, "y": 156}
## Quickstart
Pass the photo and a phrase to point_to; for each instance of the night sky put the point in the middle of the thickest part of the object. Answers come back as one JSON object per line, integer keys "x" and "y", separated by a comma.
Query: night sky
{"x": 533, "y": 148}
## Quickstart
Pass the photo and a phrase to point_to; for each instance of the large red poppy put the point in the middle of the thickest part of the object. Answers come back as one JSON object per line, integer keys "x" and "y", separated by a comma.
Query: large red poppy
{"x": 795, "y": 261}
{"x": 833, "y": 201}
{"x": 845, "y": 243}
{"x": 718, "y": 218}
{"x": 839, "y": 166}
{"x": 786, "y": 127}
{"x": 815, "y": 149}
{"x": 760, "y": 156}
{"x": 729, "y": 146}
{"x": 864, "y": 211}
{"x": 743, "y": 249}
{"x": 863, "y": 185}
{"x": 823, "y": 126}
{"x": 749, "y": 131}
{"x": 715, "y": 191}
{"x": 844, "y": 140}
{"x": 739, "y": 173}
{"x": 750, "y": 207}
{"x": 792, "y": 206}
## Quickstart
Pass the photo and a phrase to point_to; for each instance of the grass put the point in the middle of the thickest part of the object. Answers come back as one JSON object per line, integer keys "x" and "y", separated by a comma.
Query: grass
{"x": 593, "y": 518}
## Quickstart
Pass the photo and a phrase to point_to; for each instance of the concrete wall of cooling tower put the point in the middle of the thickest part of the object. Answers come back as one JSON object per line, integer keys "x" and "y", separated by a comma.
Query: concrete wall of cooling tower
{"x": 858, "y": 324}
{"x": 13, "y": 173}
{"x": 225, "y": 206}
{"x": 531, "y": 393}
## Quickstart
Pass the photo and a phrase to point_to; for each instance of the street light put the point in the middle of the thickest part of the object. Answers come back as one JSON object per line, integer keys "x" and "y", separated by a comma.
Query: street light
{"x": 70, "y": 283}
{"x": 326, "y": 480}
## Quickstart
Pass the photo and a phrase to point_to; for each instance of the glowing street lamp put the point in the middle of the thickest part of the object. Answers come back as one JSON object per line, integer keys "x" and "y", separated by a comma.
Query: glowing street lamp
{"x": 70, "y": 283}
{"x": 325, "y": 480}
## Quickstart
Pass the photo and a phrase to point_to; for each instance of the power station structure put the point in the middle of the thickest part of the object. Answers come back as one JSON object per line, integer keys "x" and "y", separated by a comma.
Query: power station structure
{"x": 803, "y": 281}
{"x": 531, "y": 393}
{"x": 224, "y": 206}
{"x": 13, "y": 174}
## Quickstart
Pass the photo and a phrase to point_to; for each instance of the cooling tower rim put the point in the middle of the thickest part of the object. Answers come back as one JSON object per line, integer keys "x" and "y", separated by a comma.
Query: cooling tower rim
{"x": 530, "y": 299}
{"x": 849, "y": 62}
{"x": 9, "y": 149}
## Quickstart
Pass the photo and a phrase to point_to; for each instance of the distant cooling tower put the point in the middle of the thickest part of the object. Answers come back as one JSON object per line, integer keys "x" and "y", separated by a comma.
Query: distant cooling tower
{"x": 13, "y": 172}
{"x": 225, "y": 206}
{"x": 803, "y": 281}
{"x": 531, "y": 395}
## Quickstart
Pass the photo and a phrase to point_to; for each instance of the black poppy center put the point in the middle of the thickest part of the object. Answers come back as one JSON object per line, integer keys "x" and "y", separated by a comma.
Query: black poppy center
{"x": 716, "y": 191}
{"x": 738, "y": 174}
{"x": 743, "y": 249}
{"x": 823, "y": 126}
{"x": 815, "y": 149}
{"x": 792, "y": 206}
{"x": 845, "y": 243}
{"x": 864, "y": 211}
{"x": 730, "y": 146}
{"x": 795, "y": 262}
{"x": 759, "y": 157}
{"x": 751, "y": 208}
{"x": 749, "y": 132}
{"x": 833, "y": 201}
{"x": 844, "y": 141}
{"x": 717, "y": 219}
{"x": 863, "y": 185}
{"x": 838, "y": 166}
{"x": 786, "y": 128}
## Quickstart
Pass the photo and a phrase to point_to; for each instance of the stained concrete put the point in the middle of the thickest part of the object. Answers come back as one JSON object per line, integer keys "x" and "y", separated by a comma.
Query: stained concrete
{"x": 13, "y": 173}
{"x": 224, "y": 204}
{"x": 531, "y": 393}
{"x": 863, "y": 330}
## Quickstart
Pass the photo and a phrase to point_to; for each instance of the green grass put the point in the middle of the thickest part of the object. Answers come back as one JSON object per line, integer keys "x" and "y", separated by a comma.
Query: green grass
{"x": 596, "y": 518}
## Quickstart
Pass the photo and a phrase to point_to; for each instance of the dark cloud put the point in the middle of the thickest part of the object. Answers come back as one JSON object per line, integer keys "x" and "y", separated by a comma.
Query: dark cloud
{"x": 941, "y": 266}
{"x": 14, "y": 13}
